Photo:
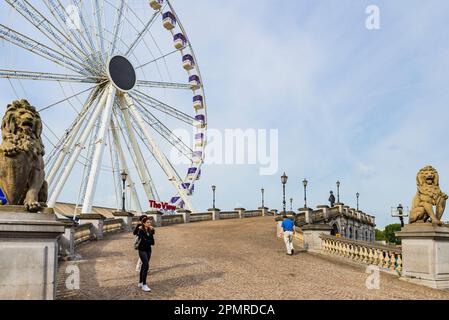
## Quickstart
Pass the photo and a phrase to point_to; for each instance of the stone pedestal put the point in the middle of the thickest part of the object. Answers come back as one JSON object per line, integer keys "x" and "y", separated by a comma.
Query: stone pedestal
{"x": 307, "y": 213}
{"x": 241, "y": 212}
{"x": 425, "y": 255}
{"x": 185, "y": 214}
{"x": 311, "y": 234}
{"x": 127, "y": 218}
{"x": 157, "y": 217}
{"x": 215, "y": 214}
{"x": 67, "y": 239}
{"x": 264, "y": 211}
{"x": 97, "y": 221}
{"x": 325, "y": 209}
{"x": 28, "y": 254}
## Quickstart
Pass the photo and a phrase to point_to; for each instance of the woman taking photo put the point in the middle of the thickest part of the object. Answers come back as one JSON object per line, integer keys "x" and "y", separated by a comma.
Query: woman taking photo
{"x": 146, "y": 241}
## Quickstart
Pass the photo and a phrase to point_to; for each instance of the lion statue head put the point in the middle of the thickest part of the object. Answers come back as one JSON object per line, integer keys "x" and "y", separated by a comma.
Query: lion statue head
{"x": 429, "y": 195}
{"x": 22, "y": 175}
{"x": 22, "y": 129}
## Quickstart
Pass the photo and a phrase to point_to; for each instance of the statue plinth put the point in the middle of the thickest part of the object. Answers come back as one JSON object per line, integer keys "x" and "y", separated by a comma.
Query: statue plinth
{"x": 425, "y": 254}
{"x": 126, "y": 217}
{"x": 28, "y": 254}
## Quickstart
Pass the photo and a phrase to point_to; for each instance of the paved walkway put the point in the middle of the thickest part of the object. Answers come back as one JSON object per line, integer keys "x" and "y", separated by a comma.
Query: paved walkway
{"x": 230, "y": 259}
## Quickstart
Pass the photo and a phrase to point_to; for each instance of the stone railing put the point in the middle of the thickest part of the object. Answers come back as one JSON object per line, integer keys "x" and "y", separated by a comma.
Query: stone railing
{"x": 386, "y": 257}
{"x": 112, "y": 225}
{"x": 83, "y": 233}
{"x": 172, "y": 219}
{"x": 253, "y": 213}
{"x": 199, "y": 217}
{"x": 229, "y": 215}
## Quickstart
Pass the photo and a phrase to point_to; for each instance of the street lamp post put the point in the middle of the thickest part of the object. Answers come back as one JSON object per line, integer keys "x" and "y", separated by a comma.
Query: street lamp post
{"x": 284, "y": 180}
{"x": 291, "y": 204}
{"x": 124, "y": 176}
{"x": 305, "y": 183}
{"x": 213, "y": 196}
{"x": 338, "y": 191}
{"x": 358, "y": 196}
{"x": 263, "y": 200}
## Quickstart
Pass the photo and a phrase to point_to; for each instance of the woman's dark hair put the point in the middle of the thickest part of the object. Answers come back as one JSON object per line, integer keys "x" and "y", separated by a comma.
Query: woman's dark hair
{"x": 144, "y": 220}
{"x": 142, "y": 217}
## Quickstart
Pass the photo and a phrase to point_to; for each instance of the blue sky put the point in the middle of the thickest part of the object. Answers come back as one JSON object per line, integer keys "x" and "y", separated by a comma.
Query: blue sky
{"x": 366, "y": 107}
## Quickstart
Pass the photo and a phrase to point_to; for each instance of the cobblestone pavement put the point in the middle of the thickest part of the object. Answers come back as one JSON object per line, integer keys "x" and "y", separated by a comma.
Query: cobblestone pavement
{"x": 230, "y": 259}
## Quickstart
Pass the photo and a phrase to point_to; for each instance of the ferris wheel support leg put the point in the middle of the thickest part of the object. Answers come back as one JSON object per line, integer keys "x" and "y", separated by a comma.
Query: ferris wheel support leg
{"x": 167, "y": 167}
{"x": 76, "y": 152}
{"x": 144, "y": 175}
{"x": 65, "y": 150}
{"x": 99, "y": 149}
{"x": 124, "y": 166}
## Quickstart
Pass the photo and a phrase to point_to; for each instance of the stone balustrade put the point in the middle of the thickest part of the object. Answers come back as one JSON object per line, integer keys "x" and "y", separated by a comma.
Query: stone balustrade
{"x": 253, "y": 213}
{"x": 112, "y": 225}
{"x": 386, "y": 257}
{"x": 200, "y": 217}
{"x": 83, "y": 233}
{"x": 168, "y": 220}
{"x": 229, "y": 215}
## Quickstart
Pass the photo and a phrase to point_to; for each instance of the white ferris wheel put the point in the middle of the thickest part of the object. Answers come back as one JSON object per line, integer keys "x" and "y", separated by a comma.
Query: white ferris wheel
{"x": 123, "y": 76}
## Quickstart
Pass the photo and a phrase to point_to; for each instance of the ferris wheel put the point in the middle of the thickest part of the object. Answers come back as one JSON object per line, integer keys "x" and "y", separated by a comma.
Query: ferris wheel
{"x": 127, "y": 77}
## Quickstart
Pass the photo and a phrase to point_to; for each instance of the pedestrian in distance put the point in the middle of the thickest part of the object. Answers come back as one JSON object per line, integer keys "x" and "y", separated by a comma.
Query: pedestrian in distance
{"x": 332, "y": 199}
{"x": 288, "y": 231}
{"x": 135, "y": 232}
{"x": 144, "y": 242}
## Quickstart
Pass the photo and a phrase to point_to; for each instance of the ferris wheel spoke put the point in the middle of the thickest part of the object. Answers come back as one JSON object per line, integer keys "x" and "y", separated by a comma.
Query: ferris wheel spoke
{"x": 157, "y": 59}
{"x": 142, "y": 33}
{"x": 77, "y": 150}
{"x": 45, "y": 27}
{"x": 167, "y": 167}
{"x": 99, "y": 25}
{"x": 86, "y": 28}
{"x": 165, "y": 85}
{"x": 146, "y": 100}
{"x": 117, "y": 26}
{"x": 69, "y": 138}
{"x": 35, "y": 47}
{"x": 58, "y": 8}
{"x": 166, "y": 133}
{"x": 123, "y": 164}
{"x": 32, "y": 75}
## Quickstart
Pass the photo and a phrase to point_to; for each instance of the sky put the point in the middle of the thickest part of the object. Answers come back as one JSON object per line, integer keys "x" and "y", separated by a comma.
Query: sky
{"x": 366, "y": 107}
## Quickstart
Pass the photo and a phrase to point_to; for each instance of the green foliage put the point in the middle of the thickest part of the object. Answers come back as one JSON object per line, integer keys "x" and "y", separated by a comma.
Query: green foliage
{"x": 389, "y": 233}
{"x": 380, "y": 236}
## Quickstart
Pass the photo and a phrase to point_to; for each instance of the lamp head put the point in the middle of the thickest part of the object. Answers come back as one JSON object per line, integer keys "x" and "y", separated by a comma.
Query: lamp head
{"x": 284, "y": 178}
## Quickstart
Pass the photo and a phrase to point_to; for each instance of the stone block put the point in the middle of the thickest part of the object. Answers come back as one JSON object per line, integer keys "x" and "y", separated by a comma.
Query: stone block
{"x": 97, "y": 221}
{"x": 311, "y": 236}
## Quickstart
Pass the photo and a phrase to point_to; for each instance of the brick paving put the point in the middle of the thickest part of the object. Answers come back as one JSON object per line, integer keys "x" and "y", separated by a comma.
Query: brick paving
{"x": 230, "y": 259}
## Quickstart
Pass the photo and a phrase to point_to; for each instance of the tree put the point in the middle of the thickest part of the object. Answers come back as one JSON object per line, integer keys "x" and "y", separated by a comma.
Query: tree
{"x": 380, "y": 236}
{"x": 389, "y": 233}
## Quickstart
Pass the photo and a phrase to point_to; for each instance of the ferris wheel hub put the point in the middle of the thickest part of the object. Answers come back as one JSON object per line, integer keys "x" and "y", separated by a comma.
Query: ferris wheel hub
{"x": 122, "y": 73}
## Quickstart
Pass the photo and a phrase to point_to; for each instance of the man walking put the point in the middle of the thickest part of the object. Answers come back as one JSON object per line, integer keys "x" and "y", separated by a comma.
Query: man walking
{"x": 288, "y": 228}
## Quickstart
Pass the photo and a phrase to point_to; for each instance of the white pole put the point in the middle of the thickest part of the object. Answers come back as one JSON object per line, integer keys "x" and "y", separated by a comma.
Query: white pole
{"x": 124, "y": 166}
{"x": 76, "y": 152}
{"x": 99, "y": 149}
{"x": 166, "y": 166}
{"x": 143, "y": 174}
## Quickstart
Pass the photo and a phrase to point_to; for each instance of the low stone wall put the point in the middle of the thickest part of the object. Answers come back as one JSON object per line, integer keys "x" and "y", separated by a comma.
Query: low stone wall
{"x": 169, "y": 220}
{"x": 83, "y": 233}
{"x": 229, "y": 215}
{"x": 199, "y": 217}
{"x": 253, "y": 213}
{"x": 112, "y": 225}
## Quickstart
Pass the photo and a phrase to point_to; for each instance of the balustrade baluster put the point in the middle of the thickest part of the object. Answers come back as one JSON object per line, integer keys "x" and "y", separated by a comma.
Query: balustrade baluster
{"x": 386, "y": 264}
{"x": 392, "y": 261}
{"x": 399, "y": 263}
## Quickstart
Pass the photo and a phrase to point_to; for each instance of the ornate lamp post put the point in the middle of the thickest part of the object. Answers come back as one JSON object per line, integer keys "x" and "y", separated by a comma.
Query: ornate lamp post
{"x": 284, "y": 180}
{"x": 399, "y": 213}
{"x": 338, "y": 191}
{"x": 358, "y": 196}
{"x": 291, "y": 204}
{"x": 305, "y": 183}
{"x": 124, "y": 176}
{"x": 263, "y": 200}
{"x": 213, "y": 196}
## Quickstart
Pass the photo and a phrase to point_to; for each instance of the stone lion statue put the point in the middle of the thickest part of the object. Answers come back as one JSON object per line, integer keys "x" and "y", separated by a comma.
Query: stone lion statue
{"x": 22, "y": 176}
{"x": 429, "y": 196}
